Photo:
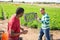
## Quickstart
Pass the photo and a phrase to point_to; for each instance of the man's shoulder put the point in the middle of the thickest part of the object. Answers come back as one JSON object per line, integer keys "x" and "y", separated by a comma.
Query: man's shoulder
{"x": 12, "y": 19}
{"x": 46, "y": 15}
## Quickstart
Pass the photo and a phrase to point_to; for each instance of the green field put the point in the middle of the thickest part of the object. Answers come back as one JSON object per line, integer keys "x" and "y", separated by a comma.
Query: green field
{"x": 53, "y": 12}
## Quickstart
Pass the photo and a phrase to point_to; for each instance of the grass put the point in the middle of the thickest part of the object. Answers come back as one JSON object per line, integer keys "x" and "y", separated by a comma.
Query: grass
{"x": 54, "y": 13}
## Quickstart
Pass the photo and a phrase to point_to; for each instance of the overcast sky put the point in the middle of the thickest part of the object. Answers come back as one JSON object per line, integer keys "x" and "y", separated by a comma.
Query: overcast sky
{"x": 34, "y": 0}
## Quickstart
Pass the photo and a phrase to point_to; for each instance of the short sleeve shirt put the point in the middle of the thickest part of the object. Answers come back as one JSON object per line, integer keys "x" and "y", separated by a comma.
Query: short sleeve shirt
{"x": 14, "y": 24}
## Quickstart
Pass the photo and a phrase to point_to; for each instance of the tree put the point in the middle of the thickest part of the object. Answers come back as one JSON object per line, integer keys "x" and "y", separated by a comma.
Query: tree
{"x": 11, "y": 0}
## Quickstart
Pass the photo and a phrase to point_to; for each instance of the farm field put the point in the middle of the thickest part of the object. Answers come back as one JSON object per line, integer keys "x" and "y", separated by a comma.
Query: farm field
{"x": 54, "y": 13}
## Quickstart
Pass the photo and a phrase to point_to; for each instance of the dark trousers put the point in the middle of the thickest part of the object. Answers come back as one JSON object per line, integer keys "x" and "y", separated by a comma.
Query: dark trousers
{"x": 20, "y": 38}
{"x": 46, "y": 32}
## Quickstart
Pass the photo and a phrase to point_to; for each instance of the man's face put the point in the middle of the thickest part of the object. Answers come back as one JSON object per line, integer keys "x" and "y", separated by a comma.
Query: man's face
{"x": 42, "y": 11}
{"x": 20, "y": 15}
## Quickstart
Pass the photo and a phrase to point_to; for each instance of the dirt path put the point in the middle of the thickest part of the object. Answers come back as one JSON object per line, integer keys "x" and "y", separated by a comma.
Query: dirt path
{"x": 32, "y": 33}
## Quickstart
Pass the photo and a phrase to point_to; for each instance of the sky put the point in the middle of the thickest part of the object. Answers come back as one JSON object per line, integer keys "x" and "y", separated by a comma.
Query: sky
{"x": 34, "y": 0}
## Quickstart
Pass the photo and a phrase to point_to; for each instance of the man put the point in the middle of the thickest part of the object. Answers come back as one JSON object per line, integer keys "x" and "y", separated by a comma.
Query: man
{"x": 45, "y": 25}
{"x": 14, "y": 25}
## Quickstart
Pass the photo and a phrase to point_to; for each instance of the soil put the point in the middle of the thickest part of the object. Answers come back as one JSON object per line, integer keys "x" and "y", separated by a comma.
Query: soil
{"x": 32, "y": 33}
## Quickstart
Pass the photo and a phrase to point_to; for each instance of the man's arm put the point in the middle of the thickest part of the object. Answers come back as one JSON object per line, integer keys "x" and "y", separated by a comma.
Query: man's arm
{"x": 23, "y": 31}
{"x": 38, "y": 19}
{"x": 21, "y": 28}
{"x": 15, "y": 34}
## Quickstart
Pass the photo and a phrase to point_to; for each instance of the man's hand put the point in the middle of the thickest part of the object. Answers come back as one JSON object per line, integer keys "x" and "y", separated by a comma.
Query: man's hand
{"x": 38, "y": 19}
{"x": 25, "y": 32}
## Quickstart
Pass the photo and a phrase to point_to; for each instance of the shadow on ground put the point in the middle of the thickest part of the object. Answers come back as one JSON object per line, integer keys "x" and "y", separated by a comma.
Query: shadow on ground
{"x": 56, "y": 39}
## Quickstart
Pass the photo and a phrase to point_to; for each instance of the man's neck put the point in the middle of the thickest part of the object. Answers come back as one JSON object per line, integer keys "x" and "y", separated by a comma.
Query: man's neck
{"x": 44, "y": 13}
{"x": 17, "y": 17}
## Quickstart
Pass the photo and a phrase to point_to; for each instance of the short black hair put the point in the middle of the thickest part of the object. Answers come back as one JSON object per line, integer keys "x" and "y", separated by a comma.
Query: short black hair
{"x": 19, "y": 10}
{"x": 43, "y": 8}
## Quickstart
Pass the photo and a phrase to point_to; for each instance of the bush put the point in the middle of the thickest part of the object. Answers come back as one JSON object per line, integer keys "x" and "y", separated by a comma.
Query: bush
{"x": 23, "y": 2}
{"x": 54, "y": 28}
{"x": 54, "y": 23}
{"x": 25, "y": 24}
{"x": 1, "y": 17}
{"x": 34, "y": 26}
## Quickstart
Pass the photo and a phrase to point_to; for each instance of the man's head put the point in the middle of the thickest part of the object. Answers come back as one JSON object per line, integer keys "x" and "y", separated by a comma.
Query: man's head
{"x": 19, "y": 11}
{"x": 42, "y": 10}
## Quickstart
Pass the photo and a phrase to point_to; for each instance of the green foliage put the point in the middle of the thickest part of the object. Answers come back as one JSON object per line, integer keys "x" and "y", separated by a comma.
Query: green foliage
{"x": 53, "y": 12}
{"x": 34, "y": 25}
{"x": 25, "y": 24}
{"x": 29, "y": 17}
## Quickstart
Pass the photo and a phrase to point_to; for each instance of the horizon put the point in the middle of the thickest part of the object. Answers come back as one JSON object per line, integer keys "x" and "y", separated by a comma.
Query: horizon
{"x": 33, "y": 0}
